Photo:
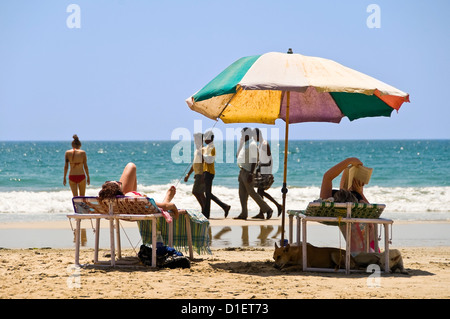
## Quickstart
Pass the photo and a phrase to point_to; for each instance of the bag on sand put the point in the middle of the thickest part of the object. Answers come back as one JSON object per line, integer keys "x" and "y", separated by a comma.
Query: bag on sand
{"x": 166, "y": 257}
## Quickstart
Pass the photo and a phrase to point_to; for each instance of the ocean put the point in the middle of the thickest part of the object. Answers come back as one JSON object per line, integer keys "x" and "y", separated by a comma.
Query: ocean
{"x": 412, "y": 177}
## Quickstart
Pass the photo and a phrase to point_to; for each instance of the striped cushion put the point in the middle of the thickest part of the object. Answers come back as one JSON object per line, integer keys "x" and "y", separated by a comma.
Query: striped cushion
{"x": 331, "y": 209}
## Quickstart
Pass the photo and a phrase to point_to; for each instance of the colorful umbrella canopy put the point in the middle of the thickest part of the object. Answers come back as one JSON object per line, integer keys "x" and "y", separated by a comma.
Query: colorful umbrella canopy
{"x": 252, "y": 90}
{"x": 295, "y": 88}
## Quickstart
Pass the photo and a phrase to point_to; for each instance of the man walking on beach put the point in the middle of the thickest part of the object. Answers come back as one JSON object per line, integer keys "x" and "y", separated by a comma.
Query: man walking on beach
{"x": 209, "y": 156}
{"x": 247, "y": 159}
{"x": 198, "y": 189}
{"x": 265, "y": 177}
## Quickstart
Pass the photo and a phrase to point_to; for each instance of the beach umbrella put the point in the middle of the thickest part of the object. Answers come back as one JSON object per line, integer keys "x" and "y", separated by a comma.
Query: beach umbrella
{"x": 294, "y": 88}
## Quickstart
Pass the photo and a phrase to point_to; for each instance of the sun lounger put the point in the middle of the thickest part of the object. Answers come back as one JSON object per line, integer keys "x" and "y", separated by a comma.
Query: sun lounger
{"x": 121, "y": 208}
{"x": 336, "y": 214}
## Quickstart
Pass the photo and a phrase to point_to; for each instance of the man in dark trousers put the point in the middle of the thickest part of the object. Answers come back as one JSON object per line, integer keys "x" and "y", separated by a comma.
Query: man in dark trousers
{"x": 209, "y": 157}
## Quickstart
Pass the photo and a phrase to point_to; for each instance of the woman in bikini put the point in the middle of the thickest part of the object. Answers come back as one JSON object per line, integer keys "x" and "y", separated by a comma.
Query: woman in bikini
{"x": 127, "y": 185}
{"x": 79, "y": 172}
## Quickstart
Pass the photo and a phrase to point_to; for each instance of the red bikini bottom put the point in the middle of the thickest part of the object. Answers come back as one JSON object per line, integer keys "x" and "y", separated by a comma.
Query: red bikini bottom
{"x": 76, "y": 178}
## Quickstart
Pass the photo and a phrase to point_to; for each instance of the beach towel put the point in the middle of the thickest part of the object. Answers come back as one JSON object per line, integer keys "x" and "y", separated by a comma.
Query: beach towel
{"x": 199, "y": 229}
{"x": 331, "y": 209}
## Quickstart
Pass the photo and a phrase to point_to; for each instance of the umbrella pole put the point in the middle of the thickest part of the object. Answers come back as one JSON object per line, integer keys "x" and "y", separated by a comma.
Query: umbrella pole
{"x": 284, "y": 190}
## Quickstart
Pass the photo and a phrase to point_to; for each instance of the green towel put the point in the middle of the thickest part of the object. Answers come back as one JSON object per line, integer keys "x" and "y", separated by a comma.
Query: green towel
{"x": 199, "y": 229}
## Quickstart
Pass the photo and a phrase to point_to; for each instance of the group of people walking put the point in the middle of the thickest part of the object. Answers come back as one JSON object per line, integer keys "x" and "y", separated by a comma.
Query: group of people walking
{"x": 255, "y": 162}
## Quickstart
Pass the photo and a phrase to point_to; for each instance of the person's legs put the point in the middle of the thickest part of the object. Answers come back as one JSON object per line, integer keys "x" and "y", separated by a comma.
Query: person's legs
{"x": 73, "y": 188}
{"x": 201, "y": 200}
{"x": 198, "y": 190}
{"x": 222, "y": 205}
{"x": 260, "y": 192}
{"x": 82, "y": 187}
{"x": 226, "y": 208}
{"x": 170, "y": 194}
{"x": 207, "y": 177}
{"x": 251, "y": 191}
{"x": 129, "y": 179}
{"x": 357, "y": 240}
{"x": 269, "y": 197}
{"x": 243, "y": 195}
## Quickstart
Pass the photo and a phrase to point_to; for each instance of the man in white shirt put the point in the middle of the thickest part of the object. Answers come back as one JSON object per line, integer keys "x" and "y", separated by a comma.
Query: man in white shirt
{"x": 247, "y": 159}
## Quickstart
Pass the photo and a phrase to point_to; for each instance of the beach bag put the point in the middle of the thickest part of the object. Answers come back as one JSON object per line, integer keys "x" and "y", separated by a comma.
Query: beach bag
{"x": 263, "y": 181}
{"x": 166, "y": 257}
{"x": 145, "y": 255}
{"x": 171, "y": 258}
{"x": 176, "y": 262}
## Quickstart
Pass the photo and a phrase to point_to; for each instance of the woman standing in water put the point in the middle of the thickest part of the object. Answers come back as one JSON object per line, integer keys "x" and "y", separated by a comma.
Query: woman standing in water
{"x": 79, "y": 172}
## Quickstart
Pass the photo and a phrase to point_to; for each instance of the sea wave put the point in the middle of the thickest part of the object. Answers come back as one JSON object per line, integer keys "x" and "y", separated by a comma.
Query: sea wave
{"x": 402, "y": 203}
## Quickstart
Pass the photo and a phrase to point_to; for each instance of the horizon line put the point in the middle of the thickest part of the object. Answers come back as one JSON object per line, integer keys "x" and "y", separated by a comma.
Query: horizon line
{"x": 293, "y": 139}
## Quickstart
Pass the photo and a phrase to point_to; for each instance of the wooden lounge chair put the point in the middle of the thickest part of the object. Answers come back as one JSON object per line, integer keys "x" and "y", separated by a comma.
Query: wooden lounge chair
{"x": 336, "y": 214}
{"x": 121, "y": 208}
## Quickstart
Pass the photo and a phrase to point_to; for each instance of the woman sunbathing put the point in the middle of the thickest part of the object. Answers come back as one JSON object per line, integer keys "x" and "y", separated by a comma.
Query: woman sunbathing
{"x": 127, "y": 185}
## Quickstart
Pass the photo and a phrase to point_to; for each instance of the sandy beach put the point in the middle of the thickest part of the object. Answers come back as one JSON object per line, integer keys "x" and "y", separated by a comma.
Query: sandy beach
{"x": 230, "y": 272}
{"x": 246, "y": 273}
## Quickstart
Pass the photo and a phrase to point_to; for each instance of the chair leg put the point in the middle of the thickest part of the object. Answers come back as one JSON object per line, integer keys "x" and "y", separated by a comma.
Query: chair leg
{"x": 304, "y": 246}
{"x": 290, "y": 228}
{"x": 77, "y": 242}
{"x": 170, "y": 234}
{"x": 97, "y": 237}
{"x": 189, "y": 236}
{"x": 111, "y": 239}
{"x": 367, "y": 236}
{"x": 153, "y": 242}
{"x": 118, "y": 244}
{"x": 386, "y": 248}
{"x": 348, "y": 247}
{"x": 375, "y": 237}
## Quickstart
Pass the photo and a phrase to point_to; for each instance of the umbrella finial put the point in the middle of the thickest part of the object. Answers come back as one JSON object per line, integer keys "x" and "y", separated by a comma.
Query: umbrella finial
{"x": 290, "y": 51}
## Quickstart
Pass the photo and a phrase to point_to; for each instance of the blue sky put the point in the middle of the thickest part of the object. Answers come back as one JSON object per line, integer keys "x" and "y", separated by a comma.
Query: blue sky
{"x": 126, "y": 72}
